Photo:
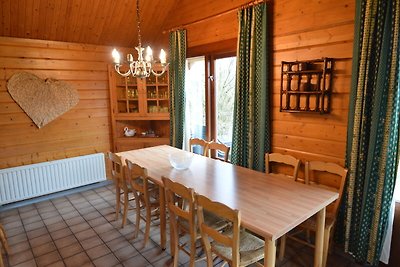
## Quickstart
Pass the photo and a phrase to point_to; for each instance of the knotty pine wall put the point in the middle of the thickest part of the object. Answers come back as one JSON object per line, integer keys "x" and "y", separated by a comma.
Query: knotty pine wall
{"x": 301, "y": 31}
{"x": 85, "y": 129}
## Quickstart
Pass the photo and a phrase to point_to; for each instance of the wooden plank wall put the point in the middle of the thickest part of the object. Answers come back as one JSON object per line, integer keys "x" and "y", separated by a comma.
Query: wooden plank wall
{"x": 310, "y": 31}
{"x": 301, "y": 31}
{"x": 85, "y": 129}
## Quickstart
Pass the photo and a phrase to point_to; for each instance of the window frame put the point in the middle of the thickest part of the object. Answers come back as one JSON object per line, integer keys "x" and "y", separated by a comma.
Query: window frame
{"x": 211, "y": 94}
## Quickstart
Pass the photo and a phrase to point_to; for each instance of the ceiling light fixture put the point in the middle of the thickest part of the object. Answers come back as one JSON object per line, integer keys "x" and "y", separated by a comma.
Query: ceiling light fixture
{"x": 142, "y": 67}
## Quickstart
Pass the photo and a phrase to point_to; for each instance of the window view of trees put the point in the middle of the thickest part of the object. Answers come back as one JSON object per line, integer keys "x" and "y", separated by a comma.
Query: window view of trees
{"x": 195, "y": 115}
{"x": 195, "y": 111}
{"x": 225, "y": 76}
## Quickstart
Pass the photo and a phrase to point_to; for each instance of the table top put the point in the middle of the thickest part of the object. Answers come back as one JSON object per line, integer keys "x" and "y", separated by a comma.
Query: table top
{"x": 270, "y": 206}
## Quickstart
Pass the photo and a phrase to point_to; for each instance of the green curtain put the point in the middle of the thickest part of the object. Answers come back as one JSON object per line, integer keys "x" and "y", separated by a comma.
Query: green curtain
{"x": 177, "y": 47}
{"x": 251, "y": 124}
{"x": 373, "y": 130}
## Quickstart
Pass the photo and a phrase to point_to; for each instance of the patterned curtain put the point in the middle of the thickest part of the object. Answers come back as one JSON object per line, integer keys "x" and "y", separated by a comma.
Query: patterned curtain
{"x": 251, "y": 126}
{"x": 177, "y": 46}
{"x": 373, "y": 129}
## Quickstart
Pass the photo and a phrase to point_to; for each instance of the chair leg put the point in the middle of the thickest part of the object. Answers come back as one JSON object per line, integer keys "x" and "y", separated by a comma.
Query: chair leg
{"x": 126, "y": 204}
{"x": 117, "y": 202}
{"x": 1, "y": 260}
{"x": 282, "y": 247}
{"x": 327, "y": 234}
{"x": 192, "y": 247}
{"x": 137, "y": 224}
{"x": 148, "y": 221}
{"x": 174, "y": 238}
{"x": 3, "y": 239}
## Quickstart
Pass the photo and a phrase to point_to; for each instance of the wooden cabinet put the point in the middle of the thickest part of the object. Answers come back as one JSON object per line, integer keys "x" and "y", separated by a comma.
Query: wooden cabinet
{"x": 306, "y": 86}
{"x": 140, "y": 104}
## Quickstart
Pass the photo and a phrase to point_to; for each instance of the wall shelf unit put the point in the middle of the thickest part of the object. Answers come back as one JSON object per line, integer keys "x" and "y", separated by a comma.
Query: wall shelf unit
{"x": 306, "y": 86}
{"x": 140, "y": 104}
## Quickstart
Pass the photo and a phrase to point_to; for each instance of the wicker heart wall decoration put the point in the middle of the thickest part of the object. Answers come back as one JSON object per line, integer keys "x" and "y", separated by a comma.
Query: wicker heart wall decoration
{"x": 42, "y": 100}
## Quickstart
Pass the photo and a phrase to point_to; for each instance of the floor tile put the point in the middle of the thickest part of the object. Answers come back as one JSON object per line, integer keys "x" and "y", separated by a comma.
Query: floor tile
{"x": 110, "y": 235}
{"x": 19, "y": 247}
{"x": 56, "y": 226}
{"x": 70, "y": 250}
{"x": 97, "y": 252}
{"x": 79, "y": 227}
{"x": 36, "y": 233}
{"x": 91, "y": 242}
{"x": 106, "y": 261}
{"x": 29, "y": 263}
{"x": 38, "y": 241}
{"x": 126, "y": 253}
{"x": 34, "y": 226}
{"x": 17, "y": 239}
{"x": 137, "y": 260}
{"x": 44, "y": 249}
{"x": 20, "y": 257}
{"x": 48, "y": 258}
{"x": 80, "y": 259}
{"x": 87, "y": 234}
{"x": 61, "y": 233}
{"x": 65, "y": 241}
{"x": 118, "y": 243}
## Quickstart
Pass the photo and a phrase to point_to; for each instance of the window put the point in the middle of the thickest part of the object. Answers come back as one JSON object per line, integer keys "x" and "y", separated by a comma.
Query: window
{"x": 210, "y": 93}
{"x": 195, "y": 114}
{"x": 225, "y": 76}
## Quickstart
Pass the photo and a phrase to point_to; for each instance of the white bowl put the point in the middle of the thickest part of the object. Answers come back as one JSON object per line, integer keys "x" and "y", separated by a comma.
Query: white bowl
{"x": 180, "y": 160}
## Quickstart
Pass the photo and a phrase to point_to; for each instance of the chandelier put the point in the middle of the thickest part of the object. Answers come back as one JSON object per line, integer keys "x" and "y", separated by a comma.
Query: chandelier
{"x": 142, "y": 67}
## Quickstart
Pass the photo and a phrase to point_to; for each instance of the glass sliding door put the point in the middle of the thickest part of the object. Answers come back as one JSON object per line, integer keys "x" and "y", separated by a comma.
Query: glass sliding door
{"x": 225, "y": 76}
{"x": 195, "y": 114}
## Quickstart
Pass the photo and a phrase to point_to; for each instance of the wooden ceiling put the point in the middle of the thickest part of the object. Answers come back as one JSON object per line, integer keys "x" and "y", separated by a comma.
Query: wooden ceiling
{"x": 103, "y": 22}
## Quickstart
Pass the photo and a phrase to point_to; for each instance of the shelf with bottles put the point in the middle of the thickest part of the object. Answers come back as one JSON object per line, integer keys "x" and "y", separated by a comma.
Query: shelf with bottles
{"x": 306, "y": 86}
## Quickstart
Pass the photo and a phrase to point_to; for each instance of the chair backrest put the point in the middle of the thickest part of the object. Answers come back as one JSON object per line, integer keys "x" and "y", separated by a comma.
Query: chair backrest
{"x": 282, "y": 159}
{"x": 330, "y": 183}
{"x": 199, "y": 143}
{"x": 117, "y": 171}
{"x": 180, "y": 203}
{"x": 218, "y": 147}
{"x": 229, "y": 239}
{"x": 138, "y": 180}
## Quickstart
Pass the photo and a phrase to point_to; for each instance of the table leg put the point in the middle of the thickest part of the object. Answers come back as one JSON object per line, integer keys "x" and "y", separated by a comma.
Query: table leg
{"x": 269, "y": 253}
{"x": 319, "y": 238}
{"x": 163, "y": 216}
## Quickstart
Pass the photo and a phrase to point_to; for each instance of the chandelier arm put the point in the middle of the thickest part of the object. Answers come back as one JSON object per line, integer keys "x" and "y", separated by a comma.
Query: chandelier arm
{"x": 143, "y": 66}
{"x": 126, "y": 74}
{"x": 158, "y": 74}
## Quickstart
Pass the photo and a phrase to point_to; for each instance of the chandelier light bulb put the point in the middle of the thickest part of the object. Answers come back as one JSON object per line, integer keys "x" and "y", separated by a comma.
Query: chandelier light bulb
{"x": 116, "y": 56}
{"x": 163, "y": 57}
{"x": 149, "y": 54}
{"x": 142, "y": 67}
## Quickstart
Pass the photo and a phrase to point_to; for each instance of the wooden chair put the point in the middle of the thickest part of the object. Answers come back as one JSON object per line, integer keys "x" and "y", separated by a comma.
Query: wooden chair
{"x": 121, "y": 186}
{"x": 287, "y": 160}
{"x": 213, "y": 146}
{"x": 234, "y": 245}
{"x": 4, "y": 243}
{"x": 322, "y": 168}
{"x": 200, "y": 143}
{"x": 146, "y": 197}
{"x": 282, "y": 160}
{"x": 182, "y": 216}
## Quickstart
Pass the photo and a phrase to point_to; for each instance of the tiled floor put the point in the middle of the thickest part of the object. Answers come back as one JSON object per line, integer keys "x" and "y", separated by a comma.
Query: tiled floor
{"x": 80, "y": 230}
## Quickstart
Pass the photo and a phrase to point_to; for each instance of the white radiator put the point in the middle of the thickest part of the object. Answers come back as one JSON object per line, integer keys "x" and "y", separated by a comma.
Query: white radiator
{"x": 39, "y": 179}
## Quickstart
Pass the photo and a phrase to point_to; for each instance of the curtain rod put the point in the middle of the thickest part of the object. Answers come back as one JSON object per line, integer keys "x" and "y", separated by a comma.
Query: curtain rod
{"x": 251, "y": 3}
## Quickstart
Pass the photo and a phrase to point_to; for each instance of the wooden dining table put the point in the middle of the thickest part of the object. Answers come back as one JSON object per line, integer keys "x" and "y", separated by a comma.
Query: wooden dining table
{"x": 270, "y": 206}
